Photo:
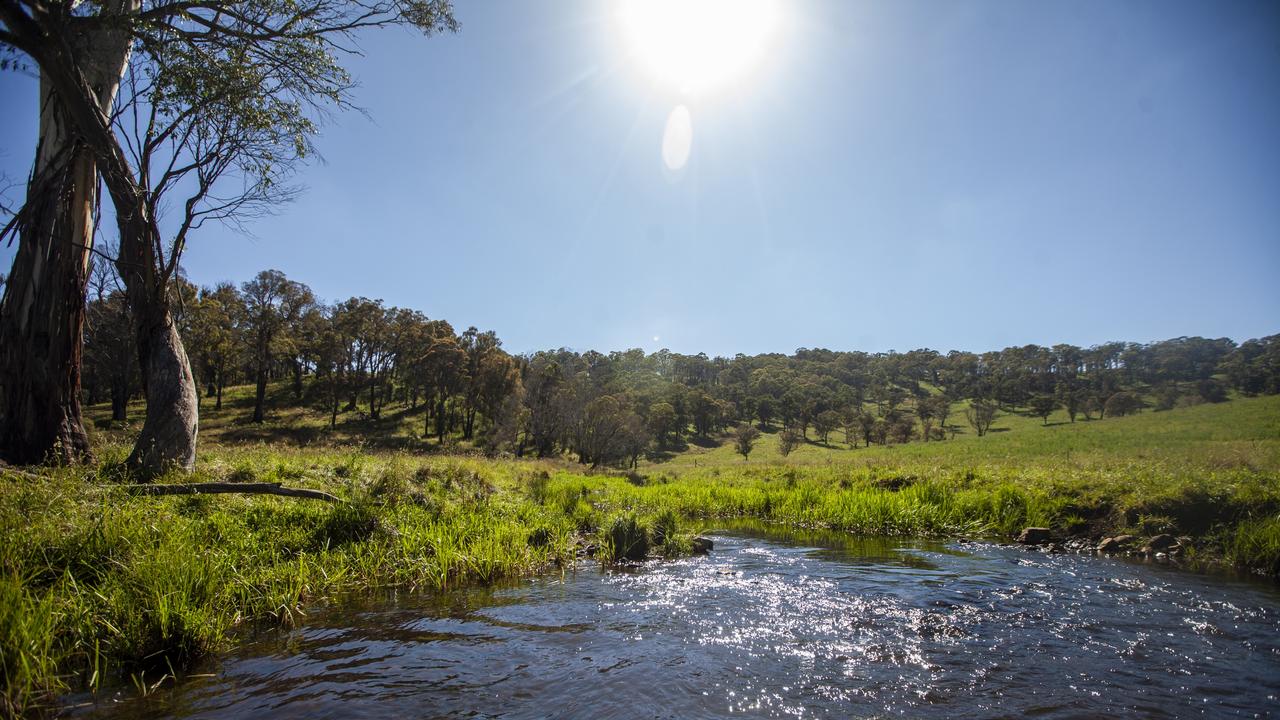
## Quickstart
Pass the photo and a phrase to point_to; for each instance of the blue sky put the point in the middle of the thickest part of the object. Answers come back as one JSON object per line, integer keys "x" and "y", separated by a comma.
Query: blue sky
{"x": 890, "y": 175}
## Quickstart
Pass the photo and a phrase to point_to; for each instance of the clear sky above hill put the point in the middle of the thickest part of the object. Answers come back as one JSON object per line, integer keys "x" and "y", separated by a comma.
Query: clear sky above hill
{"x": 852, "y": 175}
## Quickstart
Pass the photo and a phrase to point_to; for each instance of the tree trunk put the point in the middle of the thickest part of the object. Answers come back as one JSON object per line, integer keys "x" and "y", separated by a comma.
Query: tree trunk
{"x": 297, "y": 379}
{"x": 168, "y": 438}
{"x": 440, "y": 419}
{"x": 260, "y": 395}
{"x": 120, "y": 399}
{"x": 42, "y": 312}
{"x": 217, "y": 404}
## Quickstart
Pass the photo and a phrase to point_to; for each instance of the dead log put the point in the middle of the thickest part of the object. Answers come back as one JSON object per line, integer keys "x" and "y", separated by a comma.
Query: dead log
{"x": 216, "y": 488}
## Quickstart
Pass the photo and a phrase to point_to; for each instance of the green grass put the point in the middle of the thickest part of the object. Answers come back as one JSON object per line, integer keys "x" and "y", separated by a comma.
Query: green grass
{"x": 96, "y": 584}
{"x": 1243, "y": 433}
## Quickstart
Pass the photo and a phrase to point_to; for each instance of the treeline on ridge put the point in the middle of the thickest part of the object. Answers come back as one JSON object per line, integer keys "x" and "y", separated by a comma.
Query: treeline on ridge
{"x": 357, "y": 357}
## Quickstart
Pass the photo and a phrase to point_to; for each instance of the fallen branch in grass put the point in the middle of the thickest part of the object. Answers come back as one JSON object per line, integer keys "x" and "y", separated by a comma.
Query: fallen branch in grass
{"x": 21, "y": 473}
{"x": 214, "y": 488}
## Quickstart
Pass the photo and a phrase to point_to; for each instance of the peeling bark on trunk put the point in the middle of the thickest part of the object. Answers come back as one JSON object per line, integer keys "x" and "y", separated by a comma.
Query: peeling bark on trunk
{"x": 42, "y": 313}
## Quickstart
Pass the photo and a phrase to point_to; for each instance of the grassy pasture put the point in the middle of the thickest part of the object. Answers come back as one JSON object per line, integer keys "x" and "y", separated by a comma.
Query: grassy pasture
{"x": 96, "y": 583}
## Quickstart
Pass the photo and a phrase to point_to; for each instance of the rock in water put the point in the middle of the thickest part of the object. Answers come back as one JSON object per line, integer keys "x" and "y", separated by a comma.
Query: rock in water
{"x": 1034, "y": 536}
{"x": 1160, "y": 542}
{"x": 702, "y": 545}
{"x": 1115, "y": 544}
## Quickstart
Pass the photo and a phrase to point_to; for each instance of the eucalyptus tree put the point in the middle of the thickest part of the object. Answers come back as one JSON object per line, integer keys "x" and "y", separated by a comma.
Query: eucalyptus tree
{"x": 927, "y": 412}
{"x": 223, "y": 100}
{"x": 479, "y": 348}
{"x": 273, "y": 304}
{"x": 329, "y": 353}
{"x": 109, "y": 352}
{"x": 217, "y": 317}
{"x": 443, "y": 367}
{"x": 80, "y": 52}
{"x": 744, "y": 439}
{"x": 497, "y": 378}
{"x": 980, "y": 414}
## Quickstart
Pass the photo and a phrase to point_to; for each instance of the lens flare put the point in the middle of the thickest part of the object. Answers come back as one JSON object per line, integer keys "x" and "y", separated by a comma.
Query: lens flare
{"x": 677, "y": 139}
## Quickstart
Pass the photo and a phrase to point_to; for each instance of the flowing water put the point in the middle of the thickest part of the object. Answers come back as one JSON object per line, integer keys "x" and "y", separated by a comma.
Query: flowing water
{"x": 772, "y": 624}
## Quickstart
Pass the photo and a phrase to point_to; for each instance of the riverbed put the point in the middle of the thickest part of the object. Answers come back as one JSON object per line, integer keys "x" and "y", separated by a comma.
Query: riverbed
{"x": 773, "y": 623}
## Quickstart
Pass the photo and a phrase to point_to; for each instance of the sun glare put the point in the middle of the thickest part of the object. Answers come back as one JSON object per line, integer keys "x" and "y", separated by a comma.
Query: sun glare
{"x": 698, "y": 45}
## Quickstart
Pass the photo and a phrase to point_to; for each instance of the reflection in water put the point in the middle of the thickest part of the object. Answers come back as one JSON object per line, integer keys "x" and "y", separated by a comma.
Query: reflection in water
{"x": 775, "y": 623}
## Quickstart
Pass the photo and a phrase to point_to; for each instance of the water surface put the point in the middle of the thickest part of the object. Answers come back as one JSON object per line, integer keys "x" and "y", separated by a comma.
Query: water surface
{"x": 773, "y": 624}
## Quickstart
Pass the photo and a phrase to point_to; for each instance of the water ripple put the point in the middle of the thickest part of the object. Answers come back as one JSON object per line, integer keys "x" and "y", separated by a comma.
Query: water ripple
{"x": 776, "y": 625}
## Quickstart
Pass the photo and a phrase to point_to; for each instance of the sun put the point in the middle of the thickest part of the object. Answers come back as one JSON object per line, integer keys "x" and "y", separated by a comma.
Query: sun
{"x": 694, "y": 46}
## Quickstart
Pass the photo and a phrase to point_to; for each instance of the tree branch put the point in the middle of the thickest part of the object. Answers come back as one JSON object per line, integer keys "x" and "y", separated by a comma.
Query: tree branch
{"x": 222, "y": 488}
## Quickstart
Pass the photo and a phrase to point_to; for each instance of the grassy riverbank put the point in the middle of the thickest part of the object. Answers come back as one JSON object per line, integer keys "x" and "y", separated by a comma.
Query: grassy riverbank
{"x": 95, "y": 582}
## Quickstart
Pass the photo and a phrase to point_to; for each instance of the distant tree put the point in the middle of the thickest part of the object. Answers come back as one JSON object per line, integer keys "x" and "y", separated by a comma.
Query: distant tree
{"x": 980, "y": 414}
{"x": 825, "y": 422}
{"x": 849, "y": 424}
{"x": 508, "y": 423}
{"x": 764, "y": 410}
{"x": 901, "y": 429}
{"x": 662, "y": 422}
{"x": 926, "y": 411}
{"x": 788, "y": 440}
{"x": 299, "y": 351}
{"x": 443, "y": 366}
{"x": 1254, "y": 367}
{"x": 545, "y": 389}
{"x": 273, "y": 304}
{"x": 1089, "y": 406}
{"x": 214, "y": 337}
{"x": 1167, "y": 396}
{"x": 1070, "y": 397}
{"x": 706, "y": 413}
{"x": 603, "y": 428}
{"x": 329, "y": 352}
{"x": 484, "y": 366}
{"x": 1211, "y": 390}
{"x": 497, "y": 378}
{"x": 1122, "y": 403}
{"x": 1042, "y": 406}
{"x": 941, "y": 411}
{"x": 880, "y": 431}
{"x": 867, "y": 427}
{"x": 744, "y": 439}
{"x": 110, "y": 352}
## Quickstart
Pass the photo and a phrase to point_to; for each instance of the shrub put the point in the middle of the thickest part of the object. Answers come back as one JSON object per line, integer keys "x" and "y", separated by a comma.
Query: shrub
{"x": 626, "y": 539}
